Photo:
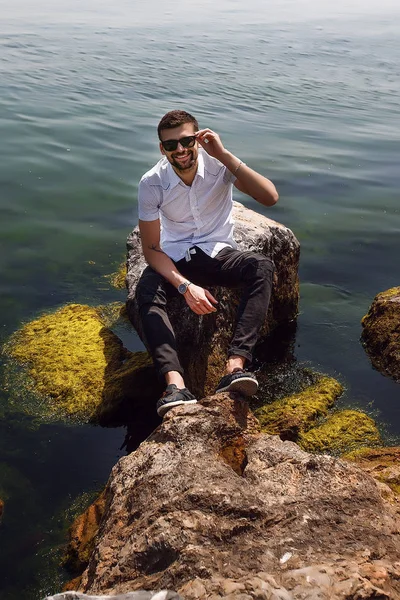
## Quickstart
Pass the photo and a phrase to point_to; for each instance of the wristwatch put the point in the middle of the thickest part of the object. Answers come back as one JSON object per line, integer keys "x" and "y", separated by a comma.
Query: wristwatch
{"x": 182, "y": 288}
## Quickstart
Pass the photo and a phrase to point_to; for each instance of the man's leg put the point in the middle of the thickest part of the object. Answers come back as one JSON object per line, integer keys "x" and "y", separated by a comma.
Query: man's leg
{"x": 152, "y": 293}
{"x": 253, "y": 273}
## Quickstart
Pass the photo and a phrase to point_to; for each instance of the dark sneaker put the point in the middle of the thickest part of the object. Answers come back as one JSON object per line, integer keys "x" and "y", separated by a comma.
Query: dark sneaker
{"x": 239, "y": 381}
{"x": 173, "y": 396}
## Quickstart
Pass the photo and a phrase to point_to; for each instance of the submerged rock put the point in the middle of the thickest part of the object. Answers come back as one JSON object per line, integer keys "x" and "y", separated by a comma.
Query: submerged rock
{"x": 343, "y": 431}
{"x": 381, "y": 332}
{"x": 210, "y": 507}
{"x": 117, "y": 279}
{"x": 298, "y": 412}
{"x": 80, "y": 367}
{"x": 210, "y": 335}
{"x": 381, "y": 463}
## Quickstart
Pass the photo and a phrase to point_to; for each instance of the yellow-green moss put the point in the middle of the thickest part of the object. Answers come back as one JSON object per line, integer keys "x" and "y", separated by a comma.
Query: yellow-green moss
{"x": 111, "y": 313}
{"x": 71, "y": 357}
{"x": 344, "y": 431}
{"x": 117, "y": 279}
{"x": 298, "y": 412}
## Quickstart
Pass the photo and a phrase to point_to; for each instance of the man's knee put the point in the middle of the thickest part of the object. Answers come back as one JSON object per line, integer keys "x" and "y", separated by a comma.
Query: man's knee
{"x": 259, "y": 265}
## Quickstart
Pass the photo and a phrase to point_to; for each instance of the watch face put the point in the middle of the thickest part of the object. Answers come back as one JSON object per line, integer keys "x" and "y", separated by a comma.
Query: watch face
{"x": 182, "y": 288}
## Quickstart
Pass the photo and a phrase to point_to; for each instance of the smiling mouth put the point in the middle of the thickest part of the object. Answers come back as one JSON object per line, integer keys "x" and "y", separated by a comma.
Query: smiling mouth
{"x": 182, "y": 156}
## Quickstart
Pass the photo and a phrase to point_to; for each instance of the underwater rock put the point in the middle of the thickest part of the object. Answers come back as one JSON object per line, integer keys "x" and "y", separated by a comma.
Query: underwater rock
{"x": 82, "y": 534}
{"x": 381, "y": 333}
{"x": 382, "y": 463}
{"x": 273, "y": 522}
{"x": 81, "y": 368}
{"x": 209, "y": 337}
{"x": 343, "y": 431}
{"x": 298, "y": 412}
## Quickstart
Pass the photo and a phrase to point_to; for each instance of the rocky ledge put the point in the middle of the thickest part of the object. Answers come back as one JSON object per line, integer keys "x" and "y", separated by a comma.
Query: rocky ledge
{"x": 381, "y": 332}
{"x": 210, "y": 335}
{"x": 211, "y": 508}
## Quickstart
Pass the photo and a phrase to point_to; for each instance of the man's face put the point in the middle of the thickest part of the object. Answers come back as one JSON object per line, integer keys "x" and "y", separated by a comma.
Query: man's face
{"x": 182, "y": 159}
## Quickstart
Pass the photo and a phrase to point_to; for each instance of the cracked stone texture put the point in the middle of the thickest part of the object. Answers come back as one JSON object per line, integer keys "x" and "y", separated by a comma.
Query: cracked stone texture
{"x": 142, "y": 595}
{"x": 211, "y": 334}
{"x": 211, "y": 508}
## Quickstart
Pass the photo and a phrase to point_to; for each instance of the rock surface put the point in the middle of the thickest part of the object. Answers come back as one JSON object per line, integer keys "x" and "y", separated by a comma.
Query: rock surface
{"x": 381, "y": 463}
{"x": 210, "y": 335}
{"x": 381, "y": 332}
{"x": 211, "y": 508}
{"x": 142, "y": 595}
{"x": 82, "y": 534}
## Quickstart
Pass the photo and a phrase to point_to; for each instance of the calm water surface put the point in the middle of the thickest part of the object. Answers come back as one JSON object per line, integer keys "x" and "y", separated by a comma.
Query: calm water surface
{"x": 307, "y": 95}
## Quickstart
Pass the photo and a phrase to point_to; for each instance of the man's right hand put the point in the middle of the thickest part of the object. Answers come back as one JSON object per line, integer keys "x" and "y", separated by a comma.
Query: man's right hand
{"x": 200, "y": 300}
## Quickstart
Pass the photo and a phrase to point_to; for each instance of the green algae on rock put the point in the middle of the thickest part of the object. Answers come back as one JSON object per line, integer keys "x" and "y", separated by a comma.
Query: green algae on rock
{"x": 298, "y": 412}
{"x": 381, "y": 332}
{"x": 343, "y": 431}
{"x": 117, "y": 279}
{"x": 382, "y": 463}
{"x": 78, "y": 365}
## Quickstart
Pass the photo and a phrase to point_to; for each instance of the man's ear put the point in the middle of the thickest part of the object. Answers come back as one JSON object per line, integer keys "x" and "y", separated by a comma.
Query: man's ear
{"x": 161, "y": 149}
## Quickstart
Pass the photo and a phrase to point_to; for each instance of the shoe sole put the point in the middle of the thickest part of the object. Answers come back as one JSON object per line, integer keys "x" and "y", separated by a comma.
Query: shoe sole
{"x": 165, "y": 408}
{"x": 244, "y": 385}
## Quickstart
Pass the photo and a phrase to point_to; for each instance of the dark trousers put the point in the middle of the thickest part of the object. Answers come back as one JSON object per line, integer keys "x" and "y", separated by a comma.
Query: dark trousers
{"x": 229, "y": 268}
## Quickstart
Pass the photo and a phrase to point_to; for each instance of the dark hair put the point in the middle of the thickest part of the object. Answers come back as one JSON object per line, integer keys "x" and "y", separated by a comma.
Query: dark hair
{"x": 175, "y": 118}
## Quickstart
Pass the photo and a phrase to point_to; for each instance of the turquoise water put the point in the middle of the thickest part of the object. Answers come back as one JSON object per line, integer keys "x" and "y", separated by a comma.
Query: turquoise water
{"x": 307, "y": 95}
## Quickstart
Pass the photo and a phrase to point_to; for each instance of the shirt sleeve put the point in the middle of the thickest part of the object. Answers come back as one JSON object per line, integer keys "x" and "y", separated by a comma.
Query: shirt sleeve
{"x": 229, "y": 177}
{"x": 148, "y": 203}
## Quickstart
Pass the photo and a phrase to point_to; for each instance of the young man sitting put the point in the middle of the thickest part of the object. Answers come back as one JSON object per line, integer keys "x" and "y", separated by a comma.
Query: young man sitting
{"x": 186, "y": 227}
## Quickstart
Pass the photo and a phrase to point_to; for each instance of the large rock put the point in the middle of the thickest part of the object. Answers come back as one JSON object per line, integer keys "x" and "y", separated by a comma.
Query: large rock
{"x": 211, "y": 508}
{"x": 381, "y": 332}
{"x": 203, "y": 341}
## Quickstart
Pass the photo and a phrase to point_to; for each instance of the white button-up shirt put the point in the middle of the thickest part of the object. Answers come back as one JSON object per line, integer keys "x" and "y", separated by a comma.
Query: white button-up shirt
{"x": 197, "y": 215}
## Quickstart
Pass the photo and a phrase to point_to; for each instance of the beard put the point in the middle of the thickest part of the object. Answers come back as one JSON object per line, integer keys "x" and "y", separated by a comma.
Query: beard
{"x": 191, "y": 162}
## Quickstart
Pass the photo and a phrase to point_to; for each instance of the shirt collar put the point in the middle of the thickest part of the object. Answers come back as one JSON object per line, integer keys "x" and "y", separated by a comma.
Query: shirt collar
{"x": 174, "y": 179}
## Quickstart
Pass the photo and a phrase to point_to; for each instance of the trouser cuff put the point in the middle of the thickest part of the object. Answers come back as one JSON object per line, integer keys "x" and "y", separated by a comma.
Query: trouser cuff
{"x": 168, "y": 368}
{"x": 239, "y": 352}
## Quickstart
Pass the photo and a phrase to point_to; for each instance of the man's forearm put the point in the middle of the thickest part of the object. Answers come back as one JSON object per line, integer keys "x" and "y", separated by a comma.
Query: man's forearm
{"x": 161, "y": 262}
{"x": 250, "y": 182}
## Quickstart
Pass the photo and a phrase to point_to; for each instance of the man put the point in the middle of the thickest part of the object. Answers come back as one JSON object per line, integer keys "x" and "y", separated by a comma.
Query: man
{"x": 186, "y": 227}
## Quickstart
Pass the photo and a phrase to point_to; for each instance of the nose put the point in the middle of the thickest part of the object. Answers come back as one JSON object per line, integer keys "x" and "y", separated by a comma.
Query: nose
{"x": 179, "y": 147}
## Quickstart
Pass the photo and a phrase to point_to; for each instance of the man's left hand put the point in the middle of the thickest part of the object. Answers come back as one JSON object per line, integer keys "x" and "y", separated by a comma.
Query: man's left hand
{"x": 211, "y": 142}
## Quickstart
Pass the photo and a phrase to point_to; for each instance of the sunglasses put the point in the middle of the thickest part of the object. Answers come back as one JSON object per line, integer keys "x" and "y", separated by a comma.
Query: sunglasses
{"x": 185, "y": 142}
